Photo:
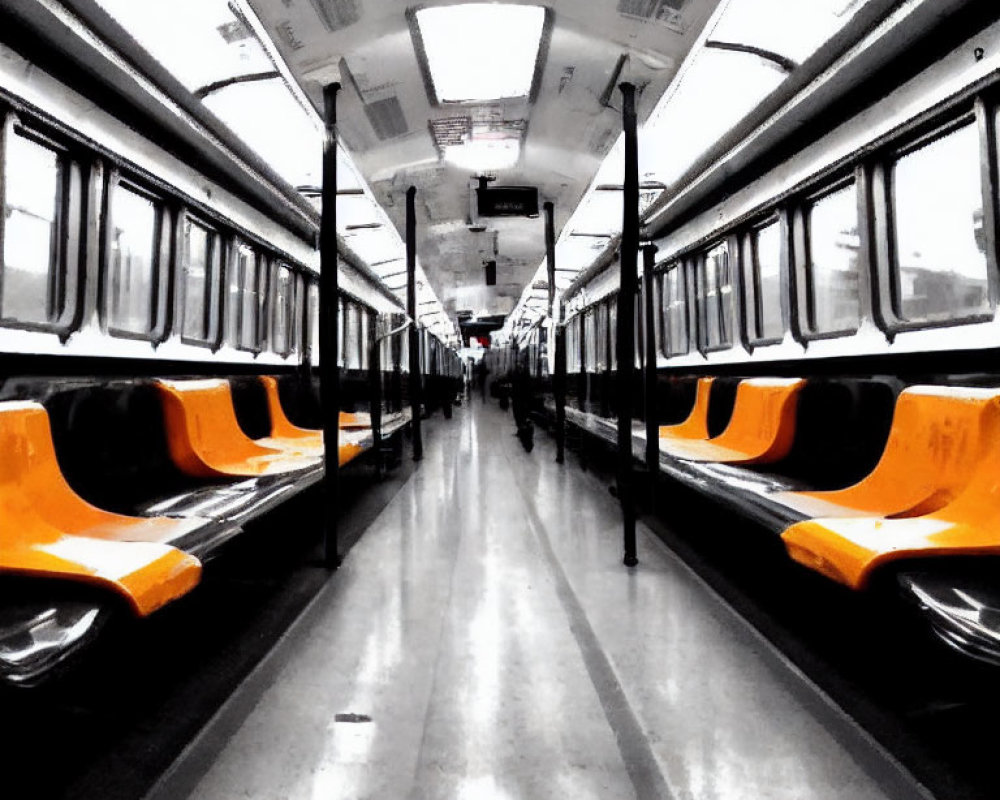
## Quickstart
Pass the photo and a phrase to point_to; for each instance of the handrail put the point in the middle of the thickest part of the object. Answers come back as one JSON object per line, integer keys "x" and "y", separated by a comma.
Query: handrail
{"x": 386, "y": 335}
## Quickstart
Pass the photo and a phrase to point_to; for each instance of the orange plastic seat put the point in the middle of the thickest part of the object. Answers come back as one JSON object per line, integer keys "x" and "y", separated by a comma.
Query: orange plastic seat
{"x": 938, "y": 438}
{"x": 849, "y": 550}
{"x": 355, "y": 420}
{"x": 46, "y": 529}
{"x": 286, "y": 436}
{"x": 696, "y": 424}
{"x": 281, "y": 426}
{"x": 761, "y": 430}
{"x": 205, "y": 440}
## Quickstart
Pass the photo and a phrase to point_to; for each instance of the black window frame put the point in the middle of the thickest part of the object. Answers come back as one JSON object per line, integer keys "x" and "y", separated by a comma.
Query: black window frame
{"x": 699, "y": 261}
{"x": 753, "y": 315}
{"x": 66, "y": 298}
{"x": 215, "y": 281}
{"x": 680, "y": 268}
{"x": 888, "y": 295}
{"x": 165, "y": 225}
{"x": 287, "y": 336}
{"x": 805, "y": 327}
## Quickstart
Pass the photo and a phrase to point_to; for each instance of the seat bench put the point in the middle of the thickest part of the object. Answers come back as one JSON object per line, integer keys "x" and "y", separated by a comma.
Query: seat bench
{"x": 119, "y": 511}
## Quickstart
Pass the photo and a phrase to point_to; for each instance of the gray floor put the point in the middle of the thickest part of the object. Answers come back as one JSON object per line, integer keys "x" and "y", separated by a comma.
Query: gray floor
{"x": 486, "y": 627}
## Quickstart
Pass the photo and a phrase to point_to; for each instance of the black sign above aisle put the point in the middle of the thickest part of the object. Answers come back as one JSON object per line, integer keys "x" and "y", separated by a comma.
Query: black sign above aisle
{"x": 508, "y": 201}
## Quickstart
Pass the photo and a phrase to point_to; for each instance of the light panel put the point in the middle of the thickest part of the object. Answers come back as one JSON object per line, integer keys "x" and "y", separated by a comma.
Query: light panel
{"x": 481, "y": 51}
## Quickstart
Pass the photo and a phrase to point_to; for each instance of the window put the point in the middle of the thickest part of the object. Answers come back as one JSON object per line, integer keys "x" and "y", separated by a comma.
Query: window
{"x": 611, "y": 314}
{"x": 766, "y": 267}
{"x": 365, "y": 333}
{"x": 352, "y": 336}
{"x": 34, "y": 283}
{"x": 716, "y": 296}
{"x": 135, "y": 222}
{"x": 245, "y": 299}
{"x": 299, "y": 314}
{"x": 832, "y": 264}
{"x": 384, "y": 324}
{"x": 281, "y": 310}
{"x": 602, "y": 337}
{"x": 312, "y": 313}
{"x": 201, "y": 268}
{"x": 572, "y": 344}
{"x": 575, "y": 354}
{"x": 673, "y": 306}
{"x": 940, "y": 251}
{"x": 590, "y": 340}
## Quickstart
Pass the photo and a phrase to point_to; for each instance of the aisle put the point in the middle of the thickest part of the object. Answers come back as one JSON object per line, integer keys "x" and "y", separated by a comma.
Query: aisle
{"x": 483, "y": 642}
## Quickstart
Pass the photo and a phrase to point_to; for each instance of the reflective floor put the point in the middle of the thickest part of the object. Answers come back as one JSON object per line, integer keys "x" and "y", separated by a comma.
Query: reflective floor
{"x": 483, "y": 642}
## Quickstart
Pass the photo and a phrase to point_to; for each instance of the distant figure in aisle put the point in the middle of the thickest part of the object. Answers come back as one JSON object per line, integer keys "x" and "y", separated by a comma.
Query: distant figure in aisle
{"x": 520, "y": 395}
{"x": 481, "y": 373}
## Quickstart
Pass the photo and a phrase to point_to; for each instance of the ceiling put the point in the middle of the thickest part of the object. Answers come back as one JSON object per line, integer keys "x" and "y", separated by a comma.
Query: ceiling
{"x": 393, "y": 126}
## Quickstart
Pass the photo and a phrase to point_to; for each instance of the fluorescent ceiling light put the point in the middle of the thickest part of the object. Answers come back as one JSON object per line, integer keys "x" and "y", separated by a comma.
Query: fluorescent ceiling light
{"x": 484, "y": 155}
{"x": 481, "y": 51}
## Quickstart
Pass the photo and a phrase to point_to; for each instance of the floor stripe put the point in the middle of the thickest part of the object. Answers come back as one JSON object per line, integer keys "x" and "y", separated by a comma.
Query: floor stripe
{"x": 633, "y": 744}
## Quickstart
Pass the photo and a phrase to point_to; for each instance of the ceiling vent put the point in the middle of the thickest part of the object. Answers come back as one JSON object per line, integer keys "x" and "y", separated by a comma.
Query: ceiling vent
{"x": 665, "y": 12}
{"x": 386, "y": 118}
{"x": 337, "y": 14}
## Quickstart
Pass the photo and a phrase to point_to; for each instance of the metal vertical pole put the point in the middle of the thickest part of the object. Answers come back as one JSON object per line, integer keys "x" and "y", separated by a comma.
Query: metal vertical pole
{"x": 652, "y": 428}
{"x": 329, "y": 325}
{"x": 416, "y": 390}
{"x": 558, "y": 336}
{"x": 626, "y": 320}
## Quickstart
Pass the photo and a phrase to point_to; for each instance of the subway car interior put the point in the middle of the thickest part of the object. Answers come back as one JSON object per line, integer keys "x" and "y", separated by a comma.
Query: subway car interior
{"x": 499, "y": 400}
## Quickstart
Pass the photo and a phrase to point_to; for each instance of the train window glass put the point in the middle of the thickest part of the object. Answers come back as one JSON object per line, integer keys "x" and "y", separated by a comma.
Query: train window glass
{"x": 299, "y": 314}
{"x": 767, "y": 282}
{"x": 248, "y": 288}
{"x": 612, "y": 306}
{"x": 716, "y": 295}
{"x": 313, "y": 314}
{"x": 233, "y": 296}
{"x": 938, "y": 227}
{"x": 201, "y": 267}
{"x": 576, "y": 354}
{"x": 602, "y": 337}
{"x": 133, "y": 279}
{"x": 833, "y": 243}
{"x": 352, "y": 337}
{"x": 365, "y": 332}
{"x": 674, "y": 309}
{"x": 33, "y": 181}
{"x": 590, "y": 340}
{"x": 281, "y": 329}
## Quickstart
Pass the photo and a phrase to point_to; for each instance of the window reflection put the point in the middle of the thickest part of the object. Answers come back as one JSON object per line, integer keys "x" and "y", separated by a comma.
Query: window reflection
{"x": 32, "y": 178}
{"x": 133, "y": 258}
{"x": 590, "y": 340}
{"x": 612, "y": 335}
{"x": 352, "y": 332}
{"x": 767, "y": 281}
{"x": 602, "y": 337}
{"x": 674, "y": 305}
{"x": 201, "y": 259}
{"x": 717, "y": 297}
{"x": 245, "y": 299}
{"x": 365, "y": 324}
{"x": 938, "y": 216}
{"x": 833, "y": 262}
{"x": 313, "y": 312}
{"x": 283, "y": 289}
